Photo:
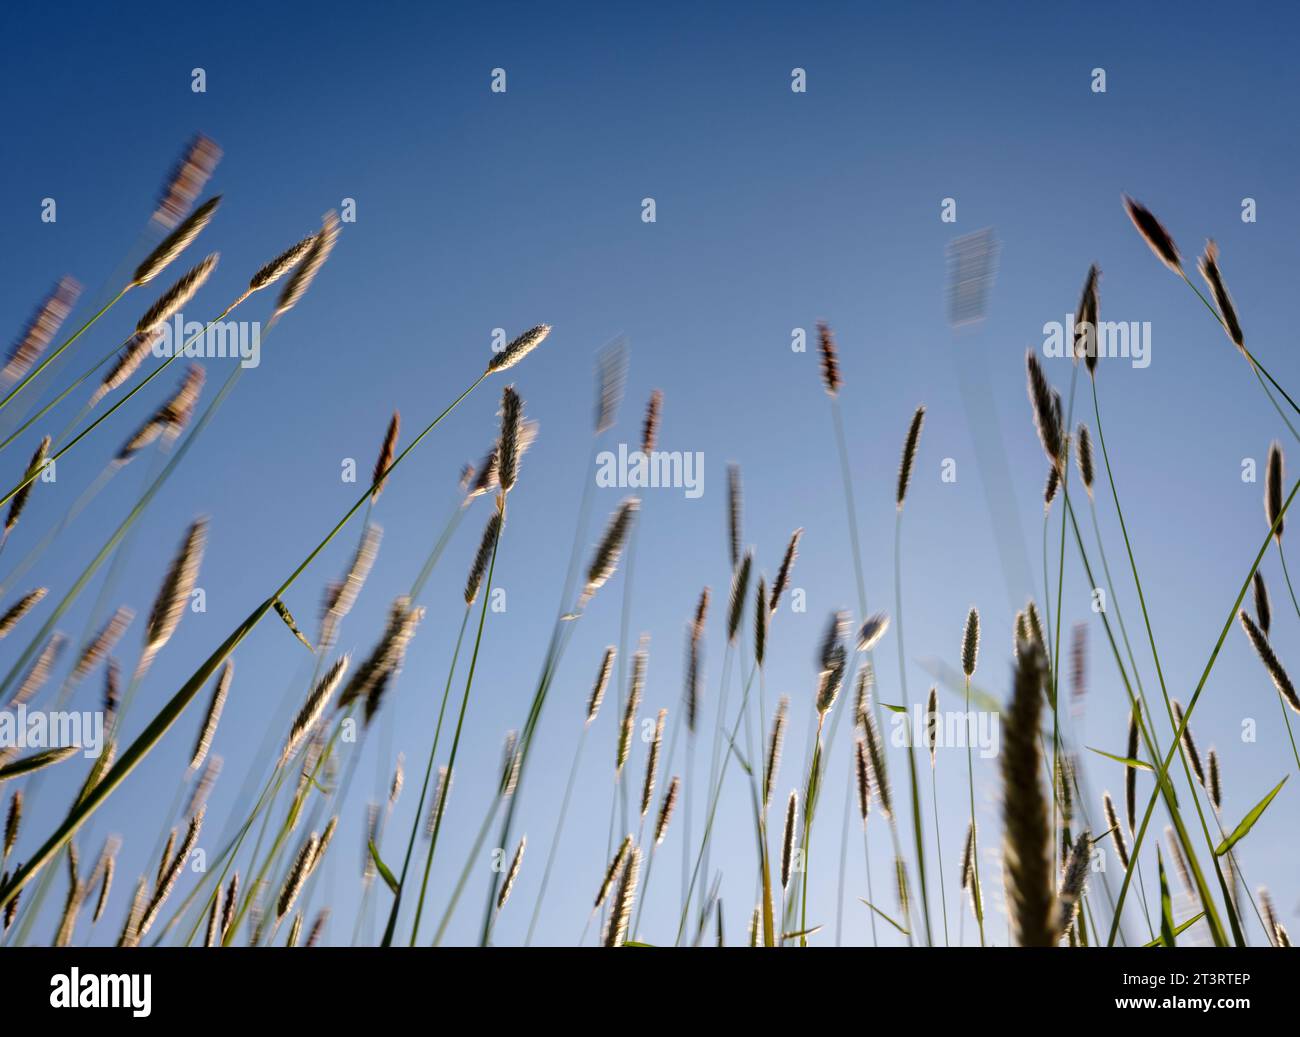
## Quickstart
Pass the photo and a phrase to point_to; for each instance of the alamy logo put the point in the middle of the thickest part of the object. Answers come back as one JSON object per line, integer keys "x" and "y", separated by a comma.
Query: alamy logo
{"x": 676, "y": 469}
{"x": 1106, "y": 340}
{"x": 218, "y": 340}
{"x": 953, "y": 729}
{"x": 73, "y": 990}
{"x": 37, "y": 729}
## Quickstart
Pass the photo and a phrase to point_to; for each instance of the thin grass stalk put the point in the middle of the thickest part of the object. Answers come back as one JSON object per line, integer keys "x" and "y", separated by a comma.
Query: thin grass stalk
{"x": 469, "y": 682}
{"x": 53, "y": 355}
{"x": 168, "y": 715}
{"x": 109, "y": 412}
{"x": 938, "y": 845}
{"x": 917, "y": 828}
{"x": 606, "y": 562}
{"x": 712, "y": 810}
{"x": 555, "y": 837}
{"x": 1207, "y": 900}
{"x": 1286, "y": 715}
{"x": 419, "y": 813}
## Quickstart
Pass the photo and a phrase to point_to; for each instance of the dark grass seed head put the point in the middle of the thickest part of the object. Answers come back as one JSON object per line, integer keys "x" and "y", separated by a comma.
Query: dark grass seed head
{"x": 1273, "y": 489}
{"x": 20, "y": 608}
{"x": 31, "y": 474}
{"x": 387, "y": 451}
{"x": 787, "y": 839}
{"x": 1270, "y": 660}
{"x": 831, "y": 378}
{"x": 1083, "y": 455}
{"x": 733, "y": 513}
{"x": 1046, "y": 413}
{"x": 1085, "y": 318}
{"x": 908, "y": 459}
{"x": 739, "y": 588}
{"x": 650, "y": 427}
{"x": 1263, "y": 610}
{"x": 1027, "y": 836}
{"x": 774, "y": 746}
{"x": 511, "y": 421}
{"x": 970, "y": 642}
{"x": 666, "y": 809}
{"x": 1116, "y": 831}
{"x": 782, "y": 580}
{"x": 1209, "y": 267}
{"x": 1154, "y": 234}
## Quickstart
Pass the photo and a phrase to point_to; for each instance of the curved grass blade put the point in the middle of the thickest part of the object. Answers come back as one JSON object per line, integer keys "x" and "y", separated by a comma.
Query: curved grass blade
{"x": 885, "y": 916}
{"x": 1127, "y": 761}
{"x": 1248, "y": 822}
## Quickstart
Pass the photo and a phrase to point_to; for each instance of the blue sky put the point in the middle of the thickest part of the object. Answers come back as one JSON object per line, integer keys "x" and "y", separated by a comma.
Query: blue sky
{"x": 478, "y": 210}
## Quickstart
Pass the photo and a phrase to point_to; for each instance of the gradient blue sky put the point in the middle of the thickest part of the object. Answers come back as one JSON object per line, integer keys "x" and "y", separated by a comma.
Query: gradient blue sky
{"x": 478, "y": 210}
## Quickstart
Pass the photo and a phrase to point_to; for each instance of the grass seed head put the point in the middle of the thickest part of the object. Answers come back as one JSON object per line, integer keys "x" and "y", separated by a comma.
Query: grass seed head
{"x": 1209, "y": 267}
{"x": 508, "y": 457}
{"x": 1154, "y": 234}
{"x": 213, "y": 716}
{"x": 611, "y": 380}
{"x": 666, "y": 808}
{"x": 186, "y": 179}
{"x": 519, "y": 348}
{"x": 1263, "y": 610}
{"x": 1085, "y": 316}
{"x": 650, "y": 428}
{"x": 733, "y": 513}
{"x": 1047, "y": 418}
{"x": 31, "y": 474}
{"x": 281, "y": 264}
{"x": 970, "y": 642}
{"x": 774, "y": 748}
{"x": 739, "y": 588}
{"x": 605, "y": 561}
{"x": 511, "y": 874}
{"x": 787, "y": 839}
{"x": 387, "y": 451}
{"x": 175, "y": 243}
{"x": 1270, "y": 660}
{"x": 782, "y": 580}
{"x": 1273, "y": 489}
{"x": 873, "y": 629}
{"x": 909, "y": 455}
{"x": 1083, "y": 455}
{"x": 20, "y": 608}
{"x": 601, "y": 684}
{"x": 1027, "y": 836}
{"x": 620, "y": 911}
{"x": 1116, "y": 831}
{"x": 172, "y": 301}
{"x": 831, "y": 378}
{"x": 304, "y": 273}
{"x": 41, "y": 329}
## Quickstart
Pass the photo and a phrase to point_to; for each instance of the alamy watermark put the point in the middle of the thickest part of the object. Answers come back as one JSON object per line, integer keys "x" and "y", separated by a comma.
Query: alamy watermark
{"x": 659, "y": 469}
{"x": 1106, "y": 340}
{"x": 953, "y": 729}
{"x": 218, "y": 340}
{"x": 21, "y": 728}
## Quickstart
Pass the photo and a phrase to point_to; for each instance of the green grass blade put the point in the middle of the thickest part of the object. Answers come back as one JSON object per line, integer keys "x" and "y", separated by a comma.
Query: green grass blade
{"x": 1248, "y": 822}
